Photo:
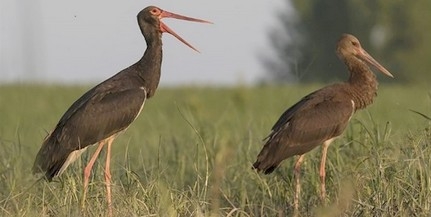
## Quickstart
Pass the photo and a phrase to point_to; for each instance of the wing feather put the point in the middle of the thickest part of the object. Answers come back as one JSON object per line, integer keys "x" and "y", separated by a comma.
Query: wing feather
{"x": 319, "y": 116}
{"x": 100, "y": 113}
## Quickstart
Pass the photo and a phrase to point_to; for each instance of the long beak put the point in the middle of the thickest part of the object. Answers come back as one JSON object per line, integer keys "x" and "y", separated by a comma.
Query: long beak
{"x": 165, "y": 28}
{"x": 367, "y": 57}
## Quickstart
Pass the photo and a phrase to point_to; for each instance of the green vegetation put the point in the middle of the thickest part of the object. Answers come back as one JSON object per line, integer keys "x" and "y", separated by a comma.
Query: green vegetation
{"x": 190, "y": 154}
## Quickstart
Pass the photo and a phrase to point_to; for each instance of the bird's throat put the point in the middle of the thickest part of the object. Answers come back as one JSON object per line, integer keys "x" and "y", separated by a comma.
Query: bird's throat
{"x": 150, "y": 67}
{"x": 363, "y": 84}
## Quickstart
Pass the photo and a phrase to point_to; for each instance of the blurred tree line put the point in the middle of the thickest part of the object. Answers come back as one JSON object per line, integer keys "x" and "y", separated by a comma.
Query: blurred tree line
{"x": 397, "y": 33}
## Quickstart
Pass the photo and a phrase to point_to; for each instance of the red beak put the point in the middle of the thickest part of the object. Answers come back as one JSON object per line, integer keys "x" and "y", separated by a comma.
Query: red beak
{"x": 165, "y": 28}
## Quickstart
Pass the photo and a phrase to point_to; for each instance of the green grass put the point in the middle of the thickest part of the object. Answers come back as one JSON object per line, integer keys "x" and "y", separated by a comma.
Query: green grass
{"x": 190, "y": 154}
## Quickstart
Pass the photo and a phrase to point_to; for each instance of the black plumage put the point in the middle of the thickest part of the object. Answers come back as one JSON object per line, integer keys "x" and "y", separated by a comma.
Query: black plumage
{"x": 102, "y": 112}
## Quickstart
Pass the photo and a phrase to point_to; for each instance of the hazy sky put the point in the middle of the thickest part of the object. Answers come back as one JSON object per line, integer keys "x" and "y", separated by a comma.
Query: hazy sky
{"x": 89, "y": 41}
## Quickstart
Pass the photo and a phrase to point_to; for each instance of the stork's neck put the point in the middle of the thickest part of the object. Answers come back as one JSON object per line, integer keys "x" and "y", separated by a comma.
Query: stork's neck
{"x": 149, "y": 66}
{"x": 362, "y": 82}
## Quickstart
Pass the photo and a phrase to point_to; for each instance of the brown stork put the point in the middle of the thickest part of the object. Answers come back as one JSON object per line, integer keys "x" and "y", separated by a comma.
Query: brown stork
{"x": 322, "y": 115}
{"x": 110, "y": 107}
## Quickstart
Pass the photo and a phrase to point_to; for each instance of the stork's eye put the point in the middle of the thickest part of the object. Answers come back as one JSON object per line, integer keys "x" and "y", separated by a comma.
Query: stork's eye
{"x": 155, "y": 11}
{"x": 355, "y": 43}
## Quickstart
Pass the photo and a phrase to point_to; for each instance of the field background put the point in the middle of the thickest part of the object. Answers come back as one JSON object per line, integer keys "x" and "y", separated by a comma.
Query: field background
{"x": 190, "y": 154}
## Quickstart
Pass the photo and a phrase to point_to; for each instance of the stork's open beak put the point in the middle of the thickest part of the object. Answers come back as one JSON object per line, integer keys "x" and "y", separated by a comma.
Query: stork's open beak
{"x": 367, "y": 57}
{"x": 165, "y": 28}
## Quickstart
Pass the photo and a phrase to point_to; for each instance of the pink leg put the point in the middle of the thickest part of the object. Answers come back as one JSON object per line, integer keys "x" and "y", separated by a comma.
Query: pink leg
{"x": 88, "y": 168}
{"x": 108, "y": 175}
{"x": 322, "y": 169}
{"x": 297, "y": 173}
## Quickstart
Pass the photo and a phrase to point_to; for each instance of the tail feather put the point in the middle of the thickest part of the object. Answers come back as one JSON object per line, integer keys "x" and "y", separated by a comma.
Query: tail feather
{"x": 269, "y": 158}
{"x": 49, "y": 159}
{"x": 266, "y": 170}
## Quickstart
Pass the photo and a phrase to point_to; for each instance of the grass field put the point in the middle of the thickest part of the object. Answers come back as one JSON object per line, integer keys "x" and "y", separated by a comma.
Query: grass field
{"x": 190, "y": 154}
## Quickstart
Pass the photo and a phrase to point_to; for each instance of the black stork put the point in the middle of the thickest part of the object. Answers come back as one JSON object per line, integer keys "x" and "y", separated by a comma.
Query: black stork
{"x": 110, "y": 107}
{"x": 322, "y": 115}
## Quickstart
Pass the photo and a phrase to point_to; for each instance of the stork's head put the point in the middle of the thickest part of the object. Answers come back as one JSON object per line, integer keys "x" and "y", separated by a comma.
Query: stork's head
{"x": 151, "y": 16}
{"x": 348, "y": 45}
